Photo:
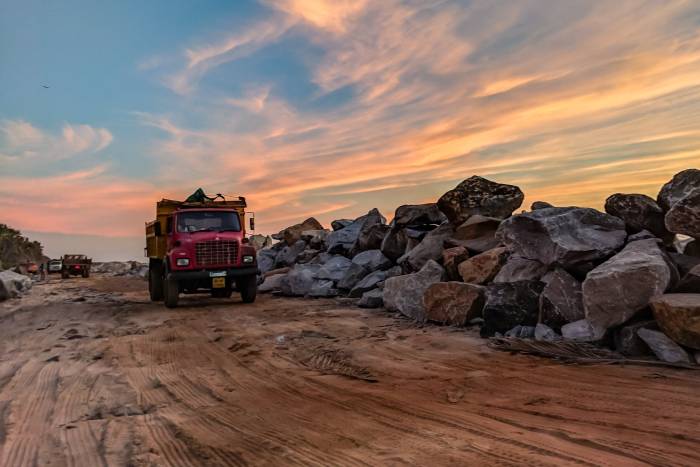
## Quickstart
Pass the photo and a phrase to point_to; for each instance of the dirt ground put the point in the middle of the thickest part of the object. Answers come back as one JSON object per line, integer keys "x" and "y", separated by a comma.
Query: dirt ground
{"x": 92, "y": 373}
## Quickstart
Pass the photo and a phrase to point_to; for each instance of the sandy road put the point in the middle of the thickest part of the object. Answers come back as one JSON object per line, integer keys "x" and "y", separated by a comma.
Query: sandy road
{"x": 93, "y": 374}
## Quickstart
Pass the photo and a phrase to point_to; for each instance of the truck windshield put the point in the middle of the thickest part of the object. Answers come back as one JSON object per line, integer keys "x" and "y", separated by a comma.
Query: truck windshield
{"x": 197, "y": 221}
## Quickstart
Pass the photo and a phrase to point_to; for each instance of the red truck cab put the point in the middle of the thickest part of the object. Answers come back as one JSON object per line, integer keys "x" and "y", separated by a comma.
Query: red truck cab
{"x": 200, "y": 247}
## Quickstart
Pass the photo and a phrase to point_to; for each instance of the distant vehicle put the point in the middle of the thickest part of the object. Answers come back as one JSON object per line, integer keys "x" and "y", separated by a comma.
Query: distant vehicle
{"x": 55, "y": 265}
{"x": 73, "y": 265}
{"x": 196, "y": 247}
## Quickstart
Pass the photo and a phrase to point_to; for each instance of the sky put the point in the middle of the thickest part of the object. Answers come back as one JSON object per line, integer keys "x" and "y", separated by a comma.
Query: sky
{"x": 329, "y": 108}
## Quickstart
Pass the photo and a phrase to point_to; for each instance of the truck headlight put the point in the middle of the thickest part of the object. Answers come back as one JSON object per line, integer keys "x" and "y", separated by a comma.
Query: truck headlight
{"x": 183, "y": 262}
{"x": 248, "y": 258}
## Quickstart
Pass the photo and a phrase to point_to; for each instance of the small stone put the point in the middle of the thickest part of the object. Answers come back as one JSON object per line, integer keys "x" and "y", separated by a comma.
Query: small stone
{"x": 582, "y": 331}
{"x": 663, "y": 347}
{"x": 521, "y": 332}
{"x": 372, "y": 299}
{"x": 545, "y": 333}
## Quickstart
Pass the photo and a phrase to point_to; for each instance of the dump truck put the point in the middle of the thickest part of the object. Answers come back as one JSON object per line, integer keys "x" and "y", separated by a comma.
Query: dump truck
{"x": 200, "y": 247}
{"x": 74, "y": 265}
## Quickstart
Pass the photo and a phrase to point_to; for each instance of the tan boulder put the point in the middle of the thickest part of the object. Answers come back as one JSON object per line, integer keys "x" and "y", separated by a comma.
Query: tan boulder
{"x": 678, "y": 316}
{"x": 292, "y": 234}
{"x": 482, "y": 268}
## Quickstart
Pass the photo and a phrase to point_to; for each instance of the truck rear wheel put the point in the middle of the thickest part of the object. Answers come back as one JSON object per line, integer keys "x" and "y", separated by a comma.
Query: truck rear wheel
{"x": 248, "y": 287}
{"x": 171, "y": 292}
{"x": 155, "y": 282}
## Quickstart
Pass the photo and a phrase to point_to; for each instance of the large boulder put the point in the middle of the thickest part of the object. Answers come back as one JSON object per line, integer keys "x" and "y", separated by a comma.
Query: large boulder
{"x": 405, "y": 293}
{"x": 684, "y": 215}
{"x": 478, "y": 233}
{"x": 663, "y": 347}
{"x": 582, "y": 331}
{"x": 289, "y": 254}
{"x": 363, "y": 264}
{"x": 454, "y": 303}
{"x": 372, "y": 281}
{"x": 315, "y": 238}
{"x": 678, "y": 316}
{"x": 292, "y": 234}
{"x": 477, "y": 195}
{"x": 624, "y": 285}
{"x": 344, "y": 241}
{"x": 509, "y": 305}
{"x": 340, "y": 223}
{"x": 394, "y": 244}
{"x": 482, "y": 268}
{"x": 323, "y": 288}
{"x": 334, "y": 268}
{"x": 451, "y": 259}
{"x": 561, "y": 301}
{"x": 430, "y": 248}
{"x": 640, "y": 212}
{"x": 14, "y": 284}
{"x": 372, "y": 299}
{"x": 682, "y": 184}
{"x": 690, "y": 282}
{"x": 266, "y": 259}
{"x": 371, "y": 238}
{"x": 520, "y": 269}
{"x": 299, "y": 280}
{"x": 272, "y": 283}
{"x": 418, "y": 214}
{"x": 563, "y": 236}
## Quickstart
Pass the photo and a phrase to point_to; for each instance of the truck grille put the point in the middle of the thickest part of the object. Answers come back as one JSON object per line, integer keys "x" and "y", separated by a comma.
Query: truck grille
{"x": 216, "y": 252}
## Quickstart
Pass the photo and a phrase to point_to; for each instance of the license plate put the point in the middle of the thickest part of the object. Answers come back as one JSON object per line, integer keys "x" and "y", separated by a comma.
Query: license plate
{"x": 217, "y": 274}
{"x": 218, "y": 282}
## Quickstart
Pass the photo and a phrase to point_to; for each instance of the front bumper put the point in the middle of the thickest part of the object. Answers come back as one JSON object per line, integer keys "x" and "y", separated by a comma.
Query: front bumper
{"x": 204, "y": 274}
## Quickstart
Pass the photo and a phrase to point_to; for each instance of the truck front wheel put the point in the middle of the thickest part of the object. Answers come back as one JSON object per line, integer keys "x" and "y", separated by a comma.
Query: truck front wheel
{"x": 248, "y": 287}
{"x": 155, "y": 282}
{"x": 171, "y": 291}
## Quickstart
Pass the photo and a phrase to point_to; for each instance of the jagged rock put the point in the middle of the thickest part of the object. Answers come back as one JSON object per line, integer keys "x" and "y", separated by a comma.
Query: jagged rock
{"x": 454, "y": 303}
{"x": 678, "y": 316}
{"x": 367, "y": 283}
{"x": 323, "y": 288}
{"x": 289, "y": 254}
{"x": 684, "y": 215}
{"x": 684, "y": 263}
{"x": 680, "y": 185}
{"x": 334, "y": 269}
{"x": 14, "y": 284}
{"x": 322, "y": 258}
{"x": 628, "y": 343}
{"x": 509, "y": 305}
{"x": 266, "y": 259}
{"x": 561, "y": 301}
{"x": 622, "y": 286}
{"x": 640, "y": 212}
{"x": 582, "y": 331}
{"x": 306, "y": 255}
{"x": 340, "y": 223}
{"x": 564, "y": 236}
{"x": 272, "y": 283}
{"x": 451, "y": 259}
{"x": 363, "y": 264}
{"x": 430, "y": 248}
{"x": 482, "y": 268}
{"x": 344, "y": 241}
{"x": 394, "y": 243}
{"x": 641, "y": 235}
{"x": 418, "y": 214}
{"x": 405, "y": 293}
{"x": 692, "y": 248}
{"x": 521, "y": 332}
{"x": 690, "y": 282}
{"x": 372, "y": 299}
{"x": 520, "y": 269}
{"x": 315, "y": 238}
{"x": 478, "y": 233}
{"x": 540, "y": 205}
{"x": 260, "y": 241}
{"x": 299, "y": 280}
{"x": 371, "y": 238}
{"x": 292, "y": 234}
{"x": 274, "y": 272}
{"x": 477, "y": 195}
{"x": 663, "y": 347}
{"x": 545, "y": 333}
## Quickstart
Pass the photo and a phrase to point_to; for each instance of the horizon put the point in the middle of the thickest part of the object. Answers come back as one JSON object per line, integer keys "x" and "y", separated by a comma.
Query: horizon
{"x": 330, "y": 108}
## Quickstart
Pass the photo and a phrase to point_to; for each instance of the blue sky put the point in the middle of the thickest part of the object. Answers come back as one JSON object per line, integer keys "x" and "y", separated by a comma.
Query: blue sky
{"x": 330, "y": 108}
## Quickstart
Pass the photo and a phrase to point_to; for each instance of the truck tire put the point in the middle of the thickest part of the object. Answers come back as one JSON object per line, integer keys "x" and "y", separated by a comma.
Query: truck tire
{"x": 155, "y": 282}
{"x": 248, "y": 287}
{"x": 171, "y": 292}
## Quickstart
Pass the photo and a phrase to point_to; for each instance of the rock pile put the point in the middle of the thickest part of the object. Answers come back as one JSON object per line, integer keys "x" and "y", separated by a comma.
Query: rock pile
{"x": 121, "y": 268}
{"x": 626, "y": 278}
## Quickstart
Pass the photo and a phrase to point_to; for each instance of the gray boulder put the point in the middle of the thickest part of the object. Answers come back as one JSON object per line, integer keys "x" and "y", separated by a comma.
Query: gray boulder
{"x": 684, "y": 215}
{"x": 372, "y": 281}
{"x": 323, "y": 288}
{"x": 344, "y": 241}
{"x": 545, "y": 333}
{"x": 340, "y": 223}
{"x": 509, "y": 305}
{"x": 418, "y": 214}
{"x": 289, "y": 254}
{"x": 334, "y": 269}
{"x": 478, "y": 233}
{"x": 363, "y": 264}
{"x": 272, "y": 283}
{"x": 561, "y": 301}
{"x": 405, "y": 293}
{"x": 266, "y": 259}
{"x": 582, "y": 331}
{"x": 371, "y": 238}
{"x": 679, "y": 187}
{"x": 521, "y": 332}
{"x": 641, "y": 235}
{"x": 663, "y": 347}
{"x": 372, "y": 299}
{"x": 430, "y": 248}
{"x": 13, "y": 284}
{"x": 477, "y": 195}
{"x": 315, "y": 238}
{"x": 625, "y": 284}
{"x": 563, "y": 236}
{"x": 640, "y": 212}
{"x": 520, "y": 269}
{"x": 300, "y": 280}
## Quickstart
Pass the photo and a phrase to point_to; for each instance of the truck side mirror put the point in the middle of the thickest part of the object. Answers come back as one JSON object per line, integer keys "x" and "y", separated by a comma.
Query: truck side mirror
{"x": 156, "y": 229}
{"x": 252, "y": 223}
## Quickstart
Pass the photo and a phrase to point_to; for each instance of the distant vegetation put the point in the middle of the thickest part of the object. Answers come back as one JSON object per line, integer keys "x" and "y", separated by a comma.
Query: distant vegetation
{"x": 16, "y": 249}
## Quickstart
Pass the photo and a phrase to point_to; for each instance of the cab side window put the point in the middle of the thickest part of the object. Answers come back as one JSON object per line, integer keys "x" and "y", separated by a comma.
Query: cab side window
{"x": 169, "y": 225}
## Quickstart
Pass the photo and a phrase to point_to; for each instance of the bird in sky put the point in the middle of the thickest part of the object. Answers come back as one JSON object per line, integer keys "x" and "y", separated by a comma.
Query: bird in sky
{"x": 45, "y": 86}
